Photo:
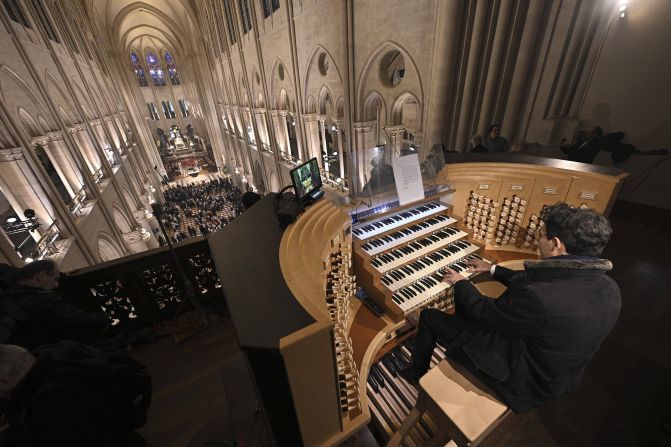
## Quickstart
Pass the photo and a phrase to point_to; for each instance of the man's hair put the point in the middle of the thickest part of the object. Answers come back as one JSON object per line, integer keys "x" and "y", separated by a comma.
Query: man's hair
{"x": 582, "y": 230}
{"x": 492, "y": 127}
{"x": 32, "y": 269}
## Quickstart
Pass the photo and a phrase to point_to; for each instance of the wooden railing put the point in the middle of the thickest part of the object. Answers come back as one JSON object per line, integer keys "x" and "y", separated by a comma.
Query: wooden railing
{"x": 143, "y": 288}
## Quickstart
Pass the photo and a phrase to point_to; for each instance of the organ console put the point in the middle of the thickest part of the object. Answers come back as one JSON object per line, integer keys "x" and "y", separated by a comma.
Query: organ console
{"x": 324, "y": 365}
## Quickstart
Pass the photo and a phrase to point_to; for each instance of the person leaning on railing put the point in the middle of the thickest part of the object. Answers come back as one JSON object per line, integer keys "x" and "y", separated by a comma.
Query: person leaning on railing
{"x": 49, "y": 318}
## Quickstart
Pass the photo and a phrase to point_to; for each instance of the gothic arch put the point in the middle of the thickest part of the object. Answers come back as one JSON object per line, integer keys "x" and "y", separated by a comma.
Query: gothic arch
{"x": 325, "y": 101}
{"x": 128, "y": 197}
{"x": 407, "y": 111}
{"x": 373, "y": 102}
{"x": 316, "y": 79}
{"x": 370, "y": 79}
{"x": 281, "y": 81}
{"x": 312, "y": 105}
{"x": 56, "y": 93}
{"x": 30, "y": 126}
{"x": 340, "y": 108}
{"x": 83, "y": 101}
{"x": 120, "y": 219}
{"x": 11, "y": 101}
{"x": 274, "y": 182}
{"x": 108, "y": 249}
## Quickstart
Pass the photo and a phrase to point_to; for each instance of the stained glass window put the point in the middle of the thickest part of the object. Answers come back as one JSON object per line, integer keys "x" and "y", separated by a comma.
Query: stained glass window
{"x": 155, "y": 70}
{"x": 172, "y": 68}
{"x": 139, "y": 71}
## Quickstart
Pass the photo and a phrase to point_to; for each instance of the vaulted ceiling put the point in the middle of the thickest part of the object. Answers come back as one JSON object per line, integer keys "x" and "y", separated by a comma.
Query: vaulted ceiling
{"x": 140, "y": 25}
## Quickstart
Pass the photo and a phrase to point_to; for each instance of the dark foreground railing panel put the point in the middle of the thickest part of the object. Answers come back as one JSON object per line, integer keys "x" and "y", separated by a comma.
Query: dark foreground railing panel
{"x": 144, "y": 287}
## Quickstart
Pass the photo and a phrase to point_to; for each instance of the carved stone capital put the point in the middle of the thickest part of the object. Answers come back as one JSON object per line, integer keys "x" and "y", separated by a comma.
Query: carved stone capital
{"x": 13, "y": 154}
{"x": 394, "y": 131}
{"x": 310, "y": 117}
{"x": 55, "y": 136}
{"x": 42, "y": 140}
{"x": 95, "y": 122}
{"x": 365, "y": 127}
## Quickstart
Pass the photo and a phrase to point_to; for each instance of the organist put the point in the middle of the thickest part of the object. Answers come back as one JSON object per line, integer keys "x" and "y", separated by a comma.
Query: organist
{"x": 533, "y": 344}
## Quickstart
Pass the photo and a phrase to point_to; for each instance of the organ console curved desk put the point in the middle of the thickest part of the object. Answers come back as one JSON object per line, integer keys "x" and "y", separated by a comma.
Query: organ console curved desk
{"x": 323, "y": 364}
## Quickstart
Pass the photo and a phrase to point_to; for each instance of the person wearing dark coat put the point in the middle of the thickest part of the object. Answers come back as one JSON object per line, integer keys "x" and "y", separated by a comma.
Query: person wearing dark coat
{"x": 532, "y": 344}
{"x": 50, "y": 319}
{"x": 586, "y": 146}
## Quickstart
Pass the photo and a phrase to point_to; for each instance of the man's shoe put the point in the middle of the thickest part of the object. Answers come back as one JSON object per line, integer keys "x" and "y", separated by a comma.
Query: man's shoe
{"x": 410, "y": 375}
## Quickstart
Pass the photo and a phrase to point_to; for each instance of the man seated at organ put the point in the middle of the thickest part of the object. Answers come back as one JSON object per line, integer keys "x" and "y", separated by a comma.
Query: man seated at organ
{"x": 531, "y": 345}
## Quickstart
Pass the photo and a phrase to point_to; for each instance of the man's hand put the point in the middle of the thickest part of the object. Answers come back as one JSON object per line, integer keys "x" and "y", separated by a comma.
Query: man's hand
{"x": 451, "y": 276}
{"x": 478, "y": 266}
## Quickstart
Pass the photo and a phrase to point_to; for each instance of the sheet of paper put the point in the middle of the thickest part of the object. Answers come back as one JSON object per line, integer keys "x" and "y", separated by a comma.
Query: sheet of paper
{"x": 408, "y": 178}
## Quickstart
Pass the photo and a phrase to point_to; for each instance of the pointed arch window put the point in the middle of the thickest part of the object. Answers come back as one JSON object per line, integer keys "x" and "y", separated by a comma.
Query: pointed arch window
{"x": 229, "y": 21}
{"x": 245, "y": 16}
{"x": 155, "y": 70}
{"x": 172, "y": 68}
{"x": 269, "y": 7}
{"x": 139, "y": 71}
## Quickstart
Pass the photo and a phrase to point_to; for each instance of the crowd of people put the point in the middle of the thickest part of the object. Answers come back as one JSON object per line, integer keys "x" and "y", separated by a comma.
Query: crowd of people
{"x": 200, "y": 208}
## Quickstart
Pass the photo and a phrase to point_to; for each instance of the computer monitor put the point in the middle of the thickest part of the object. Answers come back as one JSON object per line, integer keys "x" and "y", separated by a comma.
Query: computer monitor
{"x": 307, "y": 181}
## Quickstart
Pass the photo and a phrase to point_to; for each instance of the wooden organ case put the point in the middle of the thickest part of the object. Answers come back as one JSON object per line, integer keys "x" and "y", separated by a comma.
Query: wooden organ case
{"x": 322, "y": 363}
{"x": 289, "y": 293}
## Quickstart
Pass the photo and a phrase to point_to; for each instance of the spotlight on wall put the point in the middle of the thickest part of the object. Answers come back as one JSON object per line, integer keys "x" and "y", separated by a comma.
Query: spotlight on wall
{"x": 334, "y": 128}
{"x": 623, "y": 8}
{"x": 13, "y": 225}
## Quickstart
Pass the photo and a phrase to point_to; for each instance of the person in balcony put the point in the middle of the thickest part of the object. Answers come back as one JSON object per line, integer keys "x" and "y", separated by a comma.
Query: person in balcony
{"x": 494, "y": 141}
{"x": 50, "y": 319}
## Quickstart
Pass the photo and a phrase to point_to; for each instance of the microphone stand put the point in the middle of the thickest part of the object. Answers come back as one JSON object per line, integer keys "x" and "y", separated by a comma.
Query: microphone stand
{"x": 179, "y": 271}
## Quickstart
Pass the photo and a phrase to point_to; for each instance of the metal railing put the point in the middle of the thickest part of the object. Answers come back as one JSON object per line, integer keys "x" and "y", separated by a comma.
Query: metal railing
{"x": 143, "y": 288}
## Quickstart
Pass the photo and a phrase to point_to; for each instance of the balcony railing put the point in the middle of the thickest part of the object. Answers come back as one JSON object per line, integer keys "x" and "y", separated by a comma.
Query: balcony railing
{"x": 143, "y": 288}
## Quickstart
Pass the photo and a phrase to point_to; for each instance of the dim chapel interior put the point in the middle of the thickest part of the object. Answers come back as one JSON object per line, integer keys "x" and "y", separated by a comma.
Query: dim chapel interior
{"x": 108, "y": 107}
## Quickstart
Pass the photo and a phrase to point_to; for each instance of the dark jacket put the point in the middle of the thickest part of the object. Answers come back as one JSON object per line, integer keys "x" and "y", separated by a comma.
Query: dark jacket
{"x": 538, "y": 337}
{"x": 49, "y": 319}
{"x": 78, "y": 396}
{"x": 583, "y": 151}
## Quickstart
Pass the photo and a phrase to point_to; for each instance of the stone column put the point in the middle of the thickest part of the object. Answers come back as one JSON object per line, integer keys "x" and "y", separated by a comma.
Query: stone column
{"x": 364, "y": 138}
{"x": 340, "y": 144}
{"x": 324, "y": 147}
{"x": 135, "y": 241}
{"x": 141, "y": 217}
{"x": 86, "y": 148}
{"x": 45, "y": 144}
{"x": 62, "y": 160}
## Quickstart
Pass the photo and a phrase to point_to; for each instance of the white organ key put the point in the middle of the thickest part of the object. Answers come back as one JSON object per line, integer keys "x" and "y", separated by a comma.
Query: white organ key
{"x": 370, "y": 229}
{"x": 426, "y": 289}
{"x": 389, "y": 241}
{"x": 389, "y": 260}
{"x": 421, "y": 267}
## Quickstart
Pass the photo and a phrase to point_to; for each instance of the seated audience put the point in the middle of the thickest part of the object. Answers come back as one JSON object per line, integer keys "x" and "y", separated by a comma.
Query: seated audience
{"x": 49, "y": 318}
{"x": 200, "y": 208}
{"x": 476, "y": 145}
{"x": 494, "y": 141}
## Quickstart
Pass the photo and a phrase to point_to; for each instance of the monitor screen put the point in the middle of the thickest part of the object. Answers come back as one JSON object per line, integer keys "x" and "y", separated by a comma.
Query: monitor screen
{"x": 306, "y": 178}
